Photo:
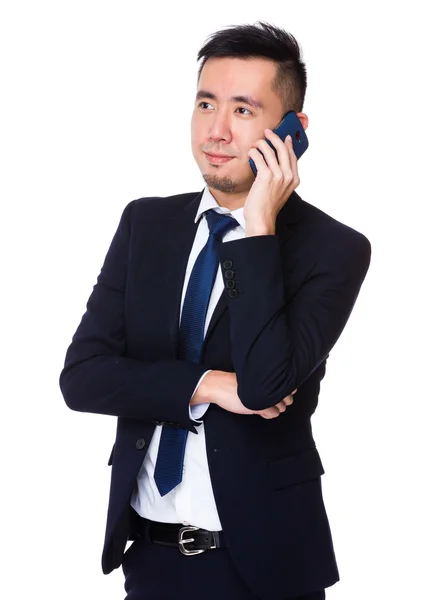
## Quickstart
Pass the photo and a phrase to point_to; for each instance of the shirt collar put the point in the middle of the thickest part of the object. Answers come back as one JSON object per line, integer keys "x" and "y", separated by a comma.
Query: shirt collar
{"x": 208, "y": 202}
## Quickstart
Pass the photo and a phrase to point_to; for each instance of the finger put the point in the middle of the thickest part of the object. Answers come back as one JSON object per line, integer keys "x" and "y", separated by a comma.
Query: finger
{"x": 265, "y": 414}
{"x": 270, "y": 157}
{"x": 260, "y": 163}
{"x": 269, "y": 413}
{"x": 283, "y": 150}
{"x": 275, "y": 411}
{"x": 293, "y": 161}
{"x": 281, "y": 406}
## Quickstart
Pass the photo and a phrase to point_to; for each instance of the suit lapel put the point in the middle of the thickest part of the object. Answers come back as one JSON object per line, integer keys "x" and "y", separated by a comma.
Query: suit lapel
{"x": 182, "y": 233}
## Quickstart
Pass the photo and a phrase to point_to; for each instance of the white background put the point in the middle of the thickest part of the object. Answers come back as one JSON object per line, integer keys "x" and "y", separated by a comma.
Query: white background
{"x": 96, "y": 103}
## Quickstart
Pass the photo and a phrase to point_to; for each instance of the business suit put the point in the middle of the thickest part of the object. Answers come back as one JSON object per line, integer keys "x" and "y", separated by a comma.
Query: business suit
{"x": 295, "y": 292}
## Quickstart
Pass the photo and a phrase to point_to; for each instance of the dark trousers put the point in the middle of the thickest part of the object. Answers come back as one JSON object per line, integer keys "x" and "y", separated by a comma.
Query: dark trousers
{"x": 154, "y": 572}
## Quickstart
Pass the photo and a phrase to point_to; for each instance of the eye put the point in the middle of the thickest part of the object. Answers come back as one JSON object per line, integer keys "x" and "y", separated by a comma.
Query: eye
{"x": 243, "y": 108}
{"x": 201, "y": 104}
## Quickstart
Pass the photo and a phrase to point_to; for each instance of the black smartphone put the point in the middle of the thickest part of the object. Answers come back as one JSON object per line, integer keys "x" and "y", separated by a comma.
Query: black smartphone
{"x": 290, "y": 124}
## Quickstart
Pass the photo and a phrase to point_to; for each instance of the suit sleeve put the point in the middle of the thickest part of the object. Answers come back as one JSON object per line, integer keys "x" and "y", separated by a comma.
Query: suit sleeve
{"x": 277, "y": 342}
{"x": 97, "y": 376}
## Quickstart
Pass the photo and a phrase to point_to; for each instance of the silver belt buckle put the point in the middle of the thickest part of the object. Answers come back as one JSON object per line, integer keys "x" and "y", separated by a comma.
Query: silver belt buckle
{"x": 182, "y": 541}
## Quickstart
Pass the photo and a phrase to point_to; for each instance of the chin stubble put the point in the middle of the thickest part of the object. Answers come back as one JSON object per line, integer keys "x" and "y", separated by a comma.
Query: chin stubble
{"x": 222, "y": 184}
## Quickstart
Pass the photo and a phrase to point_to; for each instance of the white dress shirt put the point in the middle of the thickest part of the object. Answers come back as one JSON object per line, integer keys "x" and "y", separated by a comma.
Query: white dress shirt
{"x": 192, "y": 501}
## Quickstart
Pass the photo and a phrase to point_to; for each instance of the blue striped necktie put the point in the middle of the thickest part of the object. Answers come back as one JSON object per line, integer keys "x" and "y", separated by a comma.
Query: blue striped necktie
{"x": 169, "y": 466}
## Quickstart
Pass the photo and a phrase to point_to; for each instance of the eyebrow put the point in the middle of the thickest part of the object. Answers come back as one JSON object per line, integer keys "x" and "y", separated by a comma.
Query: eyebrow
{"x": 242, "y": 99}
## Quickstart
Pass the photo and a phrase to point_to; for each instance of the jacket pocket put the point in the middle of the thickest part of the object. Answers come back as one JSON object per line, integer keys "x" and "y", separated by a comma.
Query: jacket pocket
{"x": 295, "y": 468}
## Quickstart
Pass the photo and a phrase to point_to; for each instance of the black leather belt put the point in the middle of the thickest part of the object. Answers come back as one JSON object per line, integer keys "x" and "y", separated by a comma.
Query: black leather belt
{"x": 176, "y": 535}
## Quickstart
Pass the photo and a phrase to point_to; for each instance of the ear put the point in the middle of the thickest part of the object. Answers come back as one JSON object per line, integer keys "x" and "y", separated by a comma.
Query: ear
{"x": 303, "y": 119}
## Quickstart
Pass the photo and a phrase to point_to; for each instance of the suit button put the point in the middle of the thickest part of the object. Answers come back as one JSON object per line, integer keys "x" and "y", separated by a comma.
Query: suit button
{"x": 233, "y": 293}
{"x": 227, "y": 264}
{"x": 140, "y": 444}
{"x": 230, "y": 284}
{"x": 229, "y": 274}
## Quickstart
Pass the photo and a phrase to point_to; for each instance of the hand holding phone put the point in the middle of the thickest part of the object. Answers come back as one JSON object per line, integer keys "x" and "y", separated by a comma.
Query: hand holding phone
{"x": 289, "y": 125}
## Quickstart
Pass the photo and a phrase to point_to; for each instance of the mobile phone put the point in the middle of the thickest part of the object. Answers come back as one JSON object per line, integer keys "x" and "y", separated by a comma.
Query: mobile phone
{"x": 290, "y": 124}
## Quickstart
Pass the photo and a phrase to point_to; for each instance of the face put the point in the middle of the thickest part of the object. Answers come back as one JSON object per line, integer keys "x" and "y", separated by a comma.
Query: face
{"x": 234, "y": 105}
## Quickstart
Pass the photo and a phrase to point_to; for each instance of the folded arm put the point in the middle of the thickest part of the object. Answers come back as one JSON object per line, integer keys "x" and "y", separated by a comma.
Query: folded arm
{"x": 277, "y": 342}
{"x": 97, "y": 376}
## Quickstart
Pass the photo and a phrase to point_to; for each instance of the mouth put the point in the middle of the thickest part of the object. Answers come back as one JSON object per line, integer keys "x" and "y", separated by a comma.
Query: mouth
{"x": 217, "y": 159}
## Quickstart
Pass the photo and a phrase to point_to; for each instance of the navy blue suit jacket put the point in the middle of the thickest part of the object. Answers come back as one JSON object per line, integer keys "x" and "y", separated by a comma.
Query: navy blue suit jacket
{"x": 296, "y": 290}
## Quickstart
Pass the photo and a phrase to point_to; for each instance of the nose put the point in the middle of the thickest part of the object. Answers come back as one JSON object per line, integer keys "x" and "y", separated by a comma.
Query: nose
{"x": 220, "y": 129}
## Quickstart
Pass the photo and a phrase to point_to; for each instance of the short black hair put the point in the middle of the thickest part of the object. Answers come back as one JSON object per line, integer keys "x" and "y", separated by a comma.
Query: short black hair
{"x": 263, "y": 40}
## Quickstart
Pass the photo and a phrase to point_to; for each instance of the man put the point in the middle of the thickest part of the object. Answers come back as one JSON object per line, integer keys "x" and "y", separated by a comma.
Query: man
{"x": 212, "y": 310}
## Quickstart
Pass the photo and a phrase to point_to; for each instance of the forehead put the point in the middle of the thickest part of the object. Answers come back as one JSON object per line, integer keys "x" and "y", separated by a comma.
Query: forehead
{"x": 229, "y": 76}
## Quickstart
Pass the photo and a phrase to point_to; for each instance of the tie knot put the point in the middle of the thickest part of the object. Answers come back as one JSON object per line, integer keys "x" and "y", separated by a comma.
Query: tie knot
{"x": 220, "y": 224}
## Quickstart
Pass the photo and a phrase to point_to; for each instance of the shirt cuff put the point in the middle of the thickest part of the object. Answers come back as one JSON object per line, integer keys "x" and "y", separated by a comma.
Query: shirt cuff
{"x": 198, "y": 410}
